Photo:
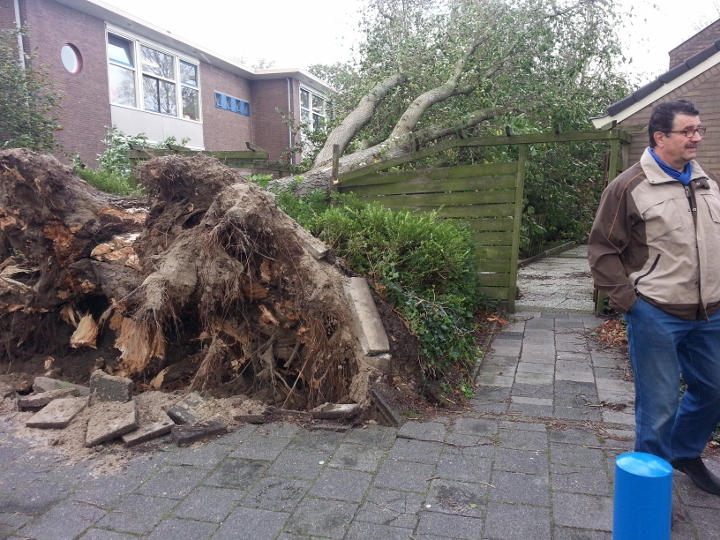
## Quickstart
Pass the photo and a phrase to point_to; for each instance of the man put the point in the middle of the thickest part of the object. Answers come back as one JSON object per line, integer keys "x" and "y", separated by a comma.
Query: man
{"x": 654, "y": 250}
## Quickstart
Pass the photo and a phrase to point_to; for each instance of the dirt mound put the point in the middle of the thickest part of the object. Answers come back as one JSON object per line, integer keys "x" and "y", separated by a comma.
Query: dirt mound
{"x": 205, "y": 285}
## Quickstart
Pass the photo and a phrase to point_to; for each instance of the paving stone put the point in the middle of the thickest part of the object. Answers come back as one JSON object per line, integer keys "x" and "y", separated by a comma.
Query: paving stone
{"x": 137, "y": 514}
{"x": 357, "y": 457}
{"x": 418, "y": 451}
{"x": 58, "y": 414}
{"x": 38, "y": 401}
{"x": 208, "y": 504}
{"x": 573, "y": 436}
{"x": 206, "y": 456}
{"x": 186, "y": 410}
{"x": 63, "y": 522}
{"x": 470, "y": 445}
{"x": 522, "y": 461}
{"x": 260, "y": 447}
{"x": 46, "y": 384}
{"x": 378, "y": 436}
{"x": 464, "y": 468}
{"x": 422, "y": 430}
{"x": 475, "y": 426}
{"x": 341, "y": 484}
{"x": 392, "y": 508}
{"x": 530, "y": 410}
{"x": 529, "y": 367}
{"x": 254, "y": 523}
{"x": 34, "y": 498}
{"x": 148, "y": 432}
{"x": 516, "y": 522}
{"x": 363, "y": 531}
{"x": 576, "y": 456}
{"x": 238, "y": 474}
{"x": 580, "y": 480}
{"x": 458, "y": 498}
{"x": 182, "y": 529}
{"x": 494, "y": 380}
{"x": 237, "y": 435}
{"x": 320, "y": 441}
{"x": 321, "y": 517}
{"x": 109, "y": 490}
{"x": 519, "y": 488}
{"x": 110, "y": 420}
{"x": 404, "y": 475}
{"x": 437, "y": 525}
{"x": 523, "y": 440}
{"x": 101, "y": 534}
{"x": 278, "y": 494}
{"x": 187, "y": 434}
{"x": 173, "y": 482}
{"x": 533, "y": 378}
{"x": 582, "y": 511}
{"x": 299, "y": 464}
{"x": 564, "y": 533}
{"x": 104, "y": 387}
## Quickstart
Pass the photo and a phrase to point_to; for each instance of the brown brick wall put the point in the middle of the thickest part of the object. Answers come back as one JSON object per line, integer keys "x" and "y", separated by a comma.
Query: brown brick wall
{"x": 7, "y": 14}
{"x": 224, "y": 130}
{"x": 695, "y": 44}
{"x": 85, "y": 109}
{"x": 269, "y": 131}
{"x": 704, "y": 91}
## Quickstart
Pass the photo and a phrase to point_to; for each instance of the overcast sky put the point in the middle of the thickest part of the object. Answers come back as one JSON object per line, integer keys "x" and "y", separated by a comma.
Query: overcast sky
{"x": 295, "y": 34}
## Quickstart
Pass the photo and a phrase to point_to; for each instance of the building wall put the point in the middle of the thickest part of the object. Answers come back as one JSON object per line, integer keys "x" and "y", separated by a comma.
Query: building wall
{"x": 269, "y": 131}
{"x": 85, "y": 108}
{"x": 704, "y": 92}
{"x": 7, "y": 14}
{"x": 695, "y": 44}
{"x": 224, "y": 130}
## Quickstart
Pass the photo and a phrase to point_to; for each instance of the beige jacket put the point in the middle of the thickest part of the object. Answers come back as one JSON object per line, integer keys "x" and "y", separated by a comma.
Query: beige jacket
{"x": 655, "y": 238}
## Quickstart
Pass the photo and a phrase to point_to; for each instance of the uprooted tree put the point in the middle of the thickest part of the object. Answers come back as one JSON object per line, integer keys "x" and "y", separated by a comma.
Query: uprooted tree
{"x": 207, "y": 280}
{"x": 430, "y": 70}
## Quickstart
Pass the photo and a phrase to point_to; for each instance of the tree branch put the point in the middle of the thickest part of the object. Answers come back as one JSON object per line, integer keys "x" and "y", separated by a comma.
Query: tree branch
{"x": 358, "y": 118}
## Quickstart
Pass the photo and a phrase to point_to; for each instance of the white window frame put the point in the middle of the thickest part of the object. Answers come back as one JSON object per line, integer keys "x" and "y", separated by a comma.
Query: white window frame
{"x": 138, "y": 74}
{"x": 309, "y": 120}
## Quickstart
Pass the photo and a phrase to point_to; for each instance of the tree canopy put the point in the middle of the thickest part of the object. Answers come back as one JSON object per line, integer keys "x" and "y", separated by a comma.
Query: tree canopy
{"x": 425, "y": 70}
{"x": 27, "y": 98}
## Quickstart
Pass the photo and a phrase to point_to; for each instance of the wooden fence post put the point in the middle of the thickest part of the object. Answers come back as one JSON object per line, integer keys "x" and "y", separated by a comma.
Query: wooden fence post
{"x": 517, "y": 221}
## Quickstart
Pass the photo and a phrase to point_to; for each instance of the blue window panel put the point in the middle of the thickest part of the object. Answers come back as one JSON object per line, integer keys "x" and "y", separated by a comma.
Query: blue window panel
{"x": 244, "y": 108}
{"x": 219, "y": 100}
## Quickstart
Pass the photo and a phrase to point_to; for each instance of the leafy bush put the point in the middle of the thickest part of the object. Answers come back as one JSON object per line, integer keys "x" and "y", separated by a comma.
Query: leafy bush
{"x": 27, "y": 98}
{"x": 423, "y": 265}
{"x": 115, "y": 171}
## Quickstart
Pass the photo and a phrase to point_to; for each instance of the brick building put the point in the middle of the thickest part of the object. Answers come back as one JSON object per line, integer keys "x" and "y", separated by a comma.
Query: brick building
{"x": 694, "y": 75}
{"x": 112, "y": 68}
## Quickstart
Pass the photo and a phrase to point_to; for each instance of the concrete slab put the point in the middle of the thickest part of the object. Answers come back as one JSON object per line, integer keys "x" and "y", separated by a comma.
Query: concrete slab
{"x": 368, "y": 325}
{"x": 38, "y": 401}
{"x": 148, "y": 432}
{"x": 104, "y": 387}
{"x": 110, "y": 420}
{"x": 58, "y": 413}
{"x": 46, "y": 384}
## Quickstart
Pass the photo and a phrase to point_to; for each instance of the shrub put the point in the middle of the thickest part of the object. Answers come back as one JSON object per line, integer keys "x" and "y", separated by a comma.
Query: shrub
{"x": 423, "y": 265}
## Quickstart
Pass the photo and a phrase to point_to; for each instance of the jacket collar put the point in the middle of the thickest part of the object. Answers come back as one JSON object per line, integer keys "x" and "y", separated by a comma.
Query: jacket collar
{"x": 655, "y": 174}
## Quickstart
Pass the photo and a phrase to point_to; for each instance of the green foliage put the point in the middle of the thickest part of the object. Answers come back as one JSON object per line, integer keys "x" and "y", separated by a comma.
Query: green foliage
{"x": 115, "y": 171}
{"x": 27, "y": 98}
{"x": 422, "y": 265}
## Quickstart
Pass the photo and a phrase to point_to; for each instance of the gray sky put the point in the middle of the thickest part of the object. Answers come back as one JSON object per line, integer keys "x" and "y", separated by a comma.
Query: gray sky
{"x": 294, "y": 34}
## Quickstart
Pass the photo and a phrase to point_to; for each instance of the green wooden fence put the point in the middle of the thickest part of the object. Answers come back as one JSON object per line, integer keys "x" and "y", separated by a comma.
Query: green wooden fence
{"x": 487, "y": 198}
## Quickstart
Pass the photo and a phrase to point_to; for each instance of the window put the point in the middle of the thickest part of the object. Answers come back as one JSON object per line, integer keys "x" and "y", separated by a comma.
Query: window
{"x": 314, "y": 109}
{"x": 233, "y": 104}
{"x": 164, "y": 83}
{"x": 71, "y": 58}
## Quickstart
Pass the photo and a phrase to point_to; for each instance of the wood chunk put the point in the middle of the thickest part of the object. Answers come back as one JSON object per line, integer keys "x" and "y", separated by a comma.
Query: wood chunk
{"x": 188, "y": 434}
{"x": 57, "y": 414}
{"x": 38, "y": 401}
{"x": 110, "y": 420}
{"x": 148, "y": 432}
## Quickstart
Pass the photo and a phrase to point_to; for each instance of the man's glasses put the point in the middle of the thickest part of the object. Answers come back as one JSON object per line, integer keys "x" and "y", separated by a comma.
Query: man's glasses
{"x": 690, "y": 132}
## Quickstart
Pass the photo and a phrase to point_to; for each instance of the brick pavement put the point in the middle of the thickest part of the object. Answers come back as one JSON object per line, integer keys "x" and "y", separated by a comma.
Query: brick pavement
{"x": 532, "y": 459}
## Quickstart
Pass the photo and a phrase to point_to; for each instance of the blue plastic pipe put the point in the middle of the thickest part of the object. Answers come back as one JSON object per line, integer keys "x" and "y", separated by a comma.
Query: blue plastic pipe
{"x": 643, "y": 497}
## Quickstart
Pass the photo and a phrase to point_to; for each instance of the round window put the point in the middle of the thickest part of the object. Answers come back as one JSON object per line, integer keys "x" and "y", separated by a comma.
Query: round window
{"x": 71, "y": 58}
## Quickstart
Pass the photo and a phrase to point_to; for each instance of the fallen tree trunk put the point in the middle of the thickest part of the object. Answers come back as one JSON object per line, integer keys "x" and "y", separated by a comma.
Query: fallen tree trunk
{"x": 207, "y": 279}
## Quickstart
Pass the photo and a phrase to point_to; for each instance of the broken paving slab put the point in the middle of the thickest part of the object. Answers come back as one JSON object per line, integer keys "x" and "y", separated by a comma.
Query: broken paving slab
{"x": 47, "y": 384}
{"x": 110, "y": 420}
{"x": 148, "y": 432}
{"x": 58, "y": 413}
{"x": 107, "y": 388}
{"x": 188, "y": 434}
{"x": 186, "y": 410}
{"x": 366, "y": 318}
{"x": 335, "y": 411}
{"x": 38, "y": 401}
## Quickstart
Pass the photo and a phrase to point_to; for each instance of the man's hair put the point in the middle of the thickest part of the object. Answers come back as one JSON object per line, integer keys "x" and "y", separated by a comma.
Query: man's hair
{"x": 663, "y": 116}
